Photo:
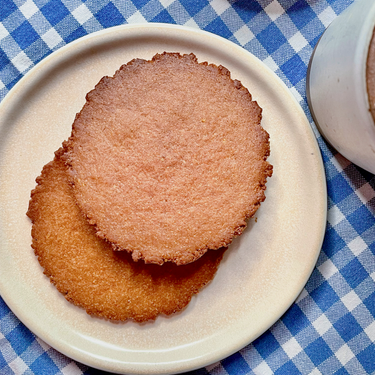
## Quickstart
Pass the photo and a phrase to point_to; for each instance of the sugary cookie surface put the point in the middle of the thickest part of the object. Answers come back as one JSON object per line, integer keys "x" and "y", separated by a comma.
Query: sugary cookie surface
{"x": 168, "y": 158}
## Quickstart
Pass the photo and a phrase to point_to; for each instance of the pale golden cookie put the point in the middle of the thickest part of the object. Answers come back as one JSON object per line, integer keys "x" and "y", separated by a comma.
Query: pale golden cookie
{"x": 89, "y": 274}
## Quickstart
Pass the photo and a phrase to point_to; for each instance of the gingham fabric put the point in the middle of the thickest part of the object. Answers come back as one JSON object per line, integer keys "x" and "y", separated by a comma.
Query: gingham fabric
{"x": 330, "y": 329}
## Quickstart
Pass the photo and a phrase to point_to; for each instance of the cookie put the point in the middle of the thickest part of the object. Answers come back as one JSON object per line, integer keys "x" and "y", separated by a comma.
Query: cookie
{"x": 86, "y": 270}
{"x": 168, "y": 158}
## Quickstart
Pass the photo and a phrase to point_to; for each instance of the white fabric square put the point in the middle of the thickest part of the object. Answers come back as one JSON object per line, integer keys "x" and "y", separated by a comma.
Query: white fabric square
{"x": 357, "y": 246}
{"x": 137, "y": 18}
{"x": 351, "y": 300}
{"x": 292, "y": 347}
{"x": 344, "y": 354}
{"x": 220, "y": 6}
{"x": 3, "y": 31}
{"x": 263, "y": 369}
{"x": 327, "y": 16}
{"x": 18, "y": 366}
{"x": 335, "y": 216}
{"x": 28, "y": 9}
{"x": 244, "y": 35}
{"x": 322, "y": 325}
{"x": 274, "y": 10}
{"x": 166, "y": 3}
{"x": 295, "y": 93}
{"x": 315, "y": 372}
{"x": 82, "y": 14}
{"x": 327, "y": 269}
{"x": 298, "y": 41}
{"x": 52, "y": 38}
{"x": 370, "y": 331}
{"x": 22, "y": 62}
{"x": 192, "y": 23}
{"x": 270, "y": 62}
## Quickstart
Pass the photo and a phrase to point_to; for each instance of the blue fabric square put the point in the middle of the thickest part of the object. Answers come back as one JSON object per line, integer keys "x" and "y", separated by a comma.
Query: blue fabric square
{"x": 324, "y": 296}
{"x": 149, "y": 11}
{"x": 315, "y": 280}
{"x": 139, "y": 3}
{"x": 332, "y": 243}
{"x": 295, "y": 320}
{"x": 54, "y": 11}
{"x": 370, "y": 303}
{"x": 347, "y": 327}
{"x": 6, "y": 8}
{"x": 282, "y": 55}
{"x": 178, "y": 13}
{"x": 3, "y": 362}
{"x": 163, "y": 16}
{"x": 37, "y": 50}
{"x": 367, "y": 359}
{"x": 247, "y": 10}
{"x": 330, "y": 365}
{"x": 326, "y": 152}
{"x": 79, "y": 32}
{"x": 359, "y": 343}
{"x": 313, "y": 29}
{"x": 338, "y": 188}
{"x": 109, "y": 16}
{"x": 193, "y": 7}
{"x": 348, "y": 206}
{"x": 44, "y": 365}
{"x": 372, "y": 248}
{"x": 337, "y": 6}
{"x": 336, "y": 311}
{"x": 20, "y": 338}
{"x": 342, "y": 371}
{"x": 288, "y": 368}
{"x": 4, "y": 309}
{"x": 313, "y": 42}
{"x": 271, "y": 38}
{"x": 318, "y": 351}
{"x": 217, "y": 26}
{"x": 301, "y": 13}
{"x": 17, "y": 77}
{"x": 11, "y": 76}
{"x": 236, "y": 365}
{"x": 25, "y": 35}
{"x": 362, "y": 219}
{"x": 354, "y": 273}
{"x": 294, "y": 69}
{"x": 66, "y": 26}
{"x": 266, "y": 344}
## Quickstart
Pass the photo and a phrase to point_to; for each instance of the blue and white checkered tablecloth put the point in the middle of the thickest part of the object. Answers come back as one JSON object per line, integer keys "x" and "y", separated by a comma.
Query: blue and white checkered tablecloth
{"x": 330, "y": 329}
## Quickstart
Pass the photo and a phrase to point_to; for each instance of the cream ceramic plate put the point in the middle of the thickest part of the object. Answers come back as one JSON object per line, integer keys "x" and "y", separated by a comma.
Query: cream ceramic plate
{"x": 260, "y": 276}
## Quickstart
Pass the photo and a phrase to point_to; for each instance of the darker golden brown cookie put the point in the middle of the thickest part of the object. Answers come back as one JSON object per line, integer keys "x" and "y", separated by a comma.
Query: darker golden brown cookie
{"x": 89, "y": 274}
{"x": 168, "y": 158}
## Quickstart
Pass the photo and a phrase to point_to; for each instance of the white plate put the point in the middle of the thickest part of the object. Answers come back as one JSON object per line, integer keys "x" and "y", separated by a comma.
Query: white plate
{"x": 260, "y": 276}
